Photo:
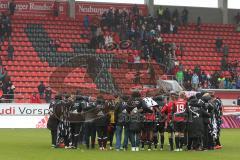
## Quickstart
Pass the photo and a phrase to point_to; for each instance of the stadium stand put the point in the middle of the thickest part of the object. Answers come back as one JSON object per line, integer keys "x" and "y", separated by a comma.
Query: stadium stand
{"x": 56, "y": 50}
{"x": 36, "y": 60}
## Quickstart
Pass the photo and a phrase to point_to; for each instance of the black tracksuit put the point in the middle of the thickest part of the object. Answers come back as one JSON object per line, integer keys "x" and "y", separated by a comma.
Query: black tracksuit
{"x": 101, "y": 122}
{"x": 89, "y": 125}
{"x": 53, "y": 121}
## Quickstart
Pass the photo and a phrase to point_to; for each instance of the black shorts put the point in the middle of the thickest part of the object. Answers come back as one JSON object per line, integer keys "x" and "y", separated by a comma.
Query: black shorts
{"x": 161, "y": 127}
{"x": 179, "y": 127}
{"x": 148, "y": 126}
{"x": 170, "y": 128}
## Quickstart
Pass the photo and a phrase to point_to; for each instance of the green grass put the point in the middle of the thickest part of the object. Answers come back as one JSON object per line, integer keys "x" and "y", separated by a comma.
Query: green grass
{"x": 34, "y": 144}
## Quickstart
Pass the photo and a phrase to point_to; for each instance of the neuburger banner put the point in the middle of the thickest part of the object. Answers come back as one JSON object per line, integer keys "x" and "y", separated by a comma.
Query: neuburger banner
{"x": 21, "y": 115}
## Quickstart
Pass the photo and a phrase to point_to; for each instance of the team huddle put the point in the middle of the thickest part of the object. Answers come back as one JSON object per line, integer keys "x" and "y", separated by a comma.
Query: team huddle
{"x": 191, "y": 123}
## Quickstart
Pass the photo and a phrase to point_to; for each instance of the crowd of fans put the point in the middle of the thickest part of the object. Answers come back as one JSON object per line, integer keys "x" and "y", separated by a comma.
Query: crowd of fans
{"x": 197, "y": 79}
{"x": 139, "y": 32}
{"x": 144, "y": 33}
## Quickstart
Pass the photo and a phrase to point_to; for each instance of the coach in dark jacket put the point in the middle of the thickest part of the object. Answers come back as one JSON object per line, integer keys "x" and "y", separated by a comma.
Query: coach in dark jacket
{"x": 196, "y": 125}
{"x": 53, "y": 120}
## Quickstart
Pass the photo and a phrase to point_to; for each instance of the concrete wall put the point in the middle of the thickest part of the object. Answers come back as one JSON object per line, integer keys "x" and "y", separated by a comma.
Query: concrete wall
{"x": 208, "y": 15}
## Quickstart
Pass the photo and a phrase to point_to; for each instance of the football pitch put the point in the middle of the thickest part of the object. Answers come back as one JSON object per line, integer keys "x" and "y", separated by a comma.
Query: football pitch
{"x": 34, "y": 144}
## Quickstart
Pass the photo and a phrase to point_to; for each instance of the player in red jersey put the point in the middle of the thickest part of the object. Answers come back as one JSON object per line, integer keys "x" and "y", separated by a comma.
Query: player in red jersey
{"x": 180, "y": 111}
{"x": 167, "y": 109}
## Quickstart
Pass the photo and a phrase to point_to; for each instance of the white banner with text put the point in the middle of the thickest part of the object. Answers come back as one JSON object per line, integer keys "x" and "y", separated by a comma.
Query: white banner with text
{"x": 23, "y": 115}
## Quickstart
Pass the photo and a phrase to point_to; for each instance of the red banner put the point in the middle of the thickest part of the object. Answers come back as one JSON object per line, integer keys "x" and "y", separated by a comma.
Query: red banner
{"x": 35, "y": 7}
{"x": 83, "y": 8}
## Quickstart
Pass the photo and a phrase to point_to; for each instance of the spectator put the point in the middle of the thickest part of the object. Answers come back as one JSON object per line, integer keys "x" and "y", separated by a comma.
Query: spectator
{"x": 10, "y": 51}
{"x": 10, "y": 92}
{"x": 237, "y": 18}
{"x": 175, "y": 17}
{"x": 130, "y": 60}
{"x": 3, "y": 73}
{"x": 177, "y": 51}
{"x": 221, "y": 82}
{"x": 219, "y": 43}
{"x": 93, "y": 42}
{"x": 238, "y": 83}
{"x": 116, "y": 38}
{"x": 175, "y": 70}
{"x": 171, "y": 27}
{"x": 54, "y": 44}
{"x": 6, "y": 25}
{"x": 197, "y": 70}
{"x": 137, "y": 61}
{"x": 56, "y": 8}
{"x": 100, "y": 40}
{"x": 135, "y": 10}
{"x": 109, "y": 19}
{"x": 238, "y": 101}
{"x": 187, "y": 75}
{"x": 93, "y": 29}
{"x": 208, "y": 81}
{"x": 179, "y": 77}
{"x": 234, "y": 84}
{"x": 35, "y": 98}
{"x": 86, "y": 22}
{"x": 98, "y": 31}
{"x": 175, "y": 29}
{"x": 146, "y": 52}
{"x": 12, "y": 7}
{"x": 151, "y": 72}
{"x": 57, "y": 43}
{"x": 214, "y": 80}
{"x": 181, "y": 50}
{"x": 238, "y": 28}
{"x": 195, "y": 81}
{"x": 9, "y": 31}
{"x": 160, "y": 13}
{"x": 1, "y": 91}
{"x": 199, "y": 22}
{"x": 224, "y": 64}
{"x": 167, "y": 14}
{"x": 226, "y": 83}
{"x": 48, "y": 94}
{"x": 1, "y": 30}
{"x": 203, "y": 79}
{"x": 41, "y": 89}
{"x": 225, "y": 50}
{"x": 181, "y": 67}
{"x": 188, "y": 86}
{"x": 117, "y": 19}
{"x": 137, "y": 77}
{"x": 108, "y": 40}
{"x": 185, "y": 17}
